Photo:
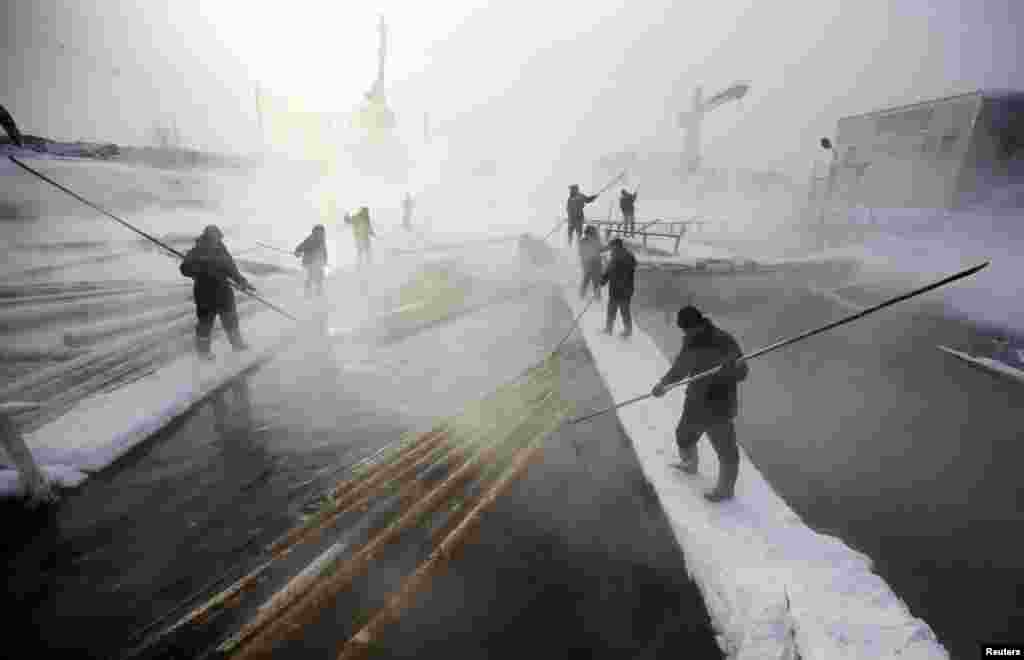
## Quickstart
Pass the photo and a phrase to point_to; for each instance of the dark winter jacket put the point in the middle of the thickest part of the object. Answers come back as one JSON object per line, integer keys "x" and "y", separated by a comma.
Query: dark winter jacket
{"x": 313, "y": 250}
{"x": 714, "y": 399}
{"x": 574, "y": 206}
{"x": 627, "y": 202}
{"x": 211, "y": 266}
{"x": 620, "y": 274}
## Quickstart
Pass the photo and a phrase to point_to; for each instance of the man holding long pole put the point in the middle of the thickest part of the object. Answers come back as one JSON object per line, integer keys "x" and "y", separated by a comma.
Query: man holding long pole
{"x": 210, "y": 265}
{"x": 711, "y": 404}
{"x": 574, "y": 209}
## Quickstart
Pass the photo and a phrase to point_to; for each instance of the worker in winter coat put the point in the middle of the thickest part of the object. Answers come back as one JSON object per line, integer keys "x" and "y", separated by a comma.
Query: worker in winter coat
{"x": 313, "y": 251}
{"x": 574, "y": 210}
{"x": 362, "y": 230}
{"x": 711, "y": 404}
{"x": 210, "y": 265}
{"x": 590, "y": 250}
{"x": 627, "y": 204}
{"x": 619, "y": 276}
{"x": 407, "y": 206}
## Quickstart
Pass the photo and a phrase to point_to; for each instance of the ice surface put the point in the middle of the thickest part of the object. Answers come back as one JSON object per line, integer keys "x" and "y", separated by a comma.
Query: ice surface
{"x": 105, "y": 426}
{"x": 774, "y": 587}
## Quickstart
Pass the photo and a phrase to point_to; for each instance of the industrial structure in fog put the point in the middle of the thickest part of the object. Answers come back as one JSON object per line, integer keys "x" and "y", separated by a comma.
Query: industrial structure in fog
{"x": 946, "y": 154}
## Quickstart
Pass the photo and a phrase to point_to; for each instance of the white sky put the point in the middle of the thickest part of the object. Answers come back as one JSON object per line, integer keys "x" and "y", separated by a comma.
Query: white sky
{"x": 558, "y": 83}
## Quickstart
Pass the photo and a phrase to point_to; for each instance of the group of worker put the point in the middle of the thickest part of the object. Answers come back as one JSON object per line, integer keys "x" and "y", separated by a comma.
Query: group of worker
{"x": 711, "y": 404}
{"x": 213, "y": 271}
{"x": 577, "y": 201}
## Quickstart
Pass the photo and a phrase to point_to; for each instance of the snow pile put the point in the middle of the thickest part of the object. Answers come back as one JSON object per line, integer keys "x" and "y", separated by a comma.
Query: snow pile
{"x": 103, "y": 427}
{"x": 774, "y": 587}
{"x": 61, "y": 475}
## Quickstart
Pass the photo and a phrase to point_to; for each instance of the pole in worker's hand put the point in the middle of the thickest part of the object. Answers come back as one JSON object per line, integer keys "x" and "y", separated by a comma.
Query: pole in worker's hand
{"x": 246, "y": 290}
{"x": 792, "y": 340}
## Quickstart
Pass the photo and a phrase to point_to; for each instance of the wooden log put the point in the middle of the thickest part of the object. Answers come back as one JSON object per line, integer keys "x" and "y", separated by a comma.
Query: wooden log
{"x": 258, "y": 638}
{"x": 362, "y": 641}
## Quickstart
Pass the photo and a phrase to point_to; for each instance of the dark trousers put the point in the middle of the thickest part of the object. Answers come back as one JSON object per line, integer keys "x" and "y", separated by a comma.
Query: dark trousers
{"x": 314, "y": 280}
{"x": 618, "y": 304}
{"x": 577, "y": 227}
{"x": 228, "y": 318}
{"x": 629, "y": 223}
{"x": 722, "y": 435}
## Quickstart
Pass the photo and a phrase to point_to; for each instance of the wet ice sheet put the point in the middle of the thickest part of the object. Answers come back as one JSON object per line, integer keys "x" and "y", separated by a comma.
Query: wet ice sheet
{"x": 103, "y": 427}
{"x": 774, "y": 587}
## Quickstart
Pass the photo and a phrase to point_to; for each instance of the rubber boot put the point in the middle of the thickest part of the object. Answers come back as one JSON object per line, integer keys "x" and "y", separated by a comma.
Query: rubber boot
{"x": 203, "y": 348}
{"x": 725, "y": 488}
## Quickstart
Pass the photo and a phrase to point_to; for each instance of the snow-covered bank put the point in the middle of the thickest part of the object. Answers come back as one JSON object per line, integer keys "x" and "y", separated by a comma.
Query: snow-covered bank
{"x": 105, "y": 426}
{"x": 774, "y": 587}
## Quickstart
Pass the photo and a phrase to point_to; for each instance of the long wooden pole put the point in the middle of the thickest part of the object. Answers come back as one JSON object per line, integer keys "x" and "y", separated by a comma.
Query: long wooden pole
{"x": 792, "y": 340}
{"x": 138, "y": 231}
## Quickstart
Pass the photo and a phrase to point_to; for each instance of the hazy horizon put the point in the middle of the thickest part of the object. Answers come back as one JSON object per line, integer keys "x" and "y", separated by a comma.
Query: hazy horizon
{"x": 554, "y": 86}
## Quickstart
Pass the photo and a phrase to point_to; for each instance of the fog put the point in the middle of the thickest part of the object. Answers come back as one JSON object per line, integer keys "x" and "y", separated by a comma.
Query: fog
{"x": 538, "y": 91}
{"x": 552, "y": 86}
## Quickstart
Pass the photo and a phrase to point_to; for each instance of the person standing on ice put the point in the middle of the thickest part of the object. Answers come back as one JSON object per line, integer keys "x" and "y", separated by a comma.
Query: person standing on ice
{"x": 590, "y": 261}
{"x": 313, "y": 251}
{"x": 619, "y": 276}
{"x": 711, "y": 404}
{"x": 627, "y": 204}
{"x": 211, "y": 266}
{"x": 407, "y": 206}
{"x": 362, "y": 230}
{"x": 574, "y": 209}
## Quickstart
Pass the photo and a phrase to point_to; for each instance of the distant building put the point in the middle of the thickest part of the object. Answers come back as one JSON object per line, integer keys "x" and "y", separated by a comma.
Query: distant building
{"x": 947, "y": 153}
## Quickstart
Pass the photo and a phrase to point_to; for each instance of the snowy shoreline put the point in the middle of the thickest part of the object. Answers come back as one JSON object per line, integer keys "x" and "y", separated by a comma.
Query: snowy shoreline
{"x": 95, "y": 434}
{"x": 774, "y": 587}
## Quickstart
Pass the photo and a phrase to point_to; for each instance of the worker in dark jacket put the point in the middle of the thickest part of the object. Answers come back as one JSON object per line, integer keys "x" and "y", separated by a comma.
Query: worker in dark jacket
{"x": 574, "y": 210}
{"x": 711, "y": 404}
{"x": 627, "y": 204}
{"x": 362, "y": 230}
{"x": 313, "y": 251}
{"x": 619, "y": 276}
{"x": 590, "y": 261}
{"x": 210, "y": 264}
